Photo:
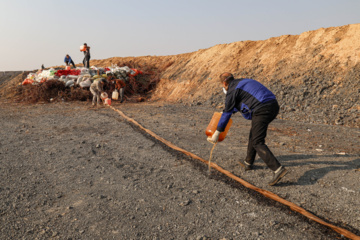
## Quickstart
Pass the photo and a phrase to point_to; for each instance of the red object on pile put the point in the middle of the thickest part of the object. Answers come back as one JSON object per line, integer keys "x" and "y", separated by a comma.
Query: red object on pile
{"x": 60, "y": 73}
{"x": 137, "y": 72}
{"x": 107, "y": 69}
{"x": 27, "y": 81}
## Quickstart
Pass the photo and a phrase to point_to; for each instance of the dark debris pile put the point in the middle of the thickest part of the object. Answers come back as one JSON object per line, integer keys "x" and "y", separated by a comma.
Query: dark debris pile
{"x": 137, "y": 88}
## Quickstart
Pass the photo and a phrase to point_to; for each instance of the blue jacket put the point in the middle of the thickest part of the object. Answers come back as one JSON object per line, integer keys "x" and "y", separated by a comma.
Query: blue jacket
{"x": 68, "y": 59}
{"x": 244, "y": 95}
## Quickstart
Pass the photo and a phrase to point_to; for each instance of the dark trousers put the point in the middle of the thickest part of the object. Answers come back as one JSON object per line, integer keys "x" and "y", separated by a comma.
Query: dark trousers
{"x": 261, "y": 119}
{"x": 72, "y": 63}
{"x": 86, "y": 61}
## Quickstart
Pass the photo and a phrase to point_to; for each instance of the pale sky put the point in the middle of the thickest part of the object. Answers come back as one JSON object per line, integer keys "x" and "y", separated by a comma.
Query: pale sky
{"x": 35, "y": 32}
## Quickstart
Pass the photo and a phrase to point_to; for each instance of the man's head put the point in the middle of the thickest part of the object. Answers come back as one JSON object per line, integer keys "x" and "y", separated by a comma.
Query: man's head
{"x": 85, "y": 44}
{"x": 226, "y": 78}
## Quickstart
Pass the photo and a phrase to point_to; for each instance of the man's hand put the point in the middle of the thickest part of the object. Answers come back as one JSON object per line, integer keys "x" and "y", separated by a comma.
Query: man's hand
{"x": 214, "y": 138}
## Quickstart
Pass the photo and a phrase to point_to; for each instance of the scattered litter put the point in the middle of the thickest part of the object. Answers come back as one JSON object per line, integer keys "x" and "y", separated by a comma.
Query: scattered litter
{"x": 347, "y": 190}
{"x": 319, "y": 150}
{"x": 341, "y": 153}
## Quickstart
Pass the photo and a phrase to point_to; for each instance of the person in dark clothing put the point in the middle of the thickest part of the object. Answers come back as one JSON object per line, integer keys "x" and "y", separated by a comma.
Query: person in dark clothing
{"x": 119, "y": 85}
{"x": 69, "y": 61}
{"x": 86, "y": 60}
{"x": 42, "y": 67}
{"x": 258, "y": 104}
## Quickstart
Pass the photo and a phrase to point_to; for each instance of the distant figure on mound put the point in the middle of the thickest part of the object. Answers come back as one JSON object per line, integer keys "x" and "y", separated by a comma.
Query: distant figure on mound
{"x": 42, "y": 67}
{"x": 258, "y": 104}
{"x": 69, "y": 61}
{"x": 96, "y": 88}
{"x": 86, "y": 50}
{"x": 119, "y": 85}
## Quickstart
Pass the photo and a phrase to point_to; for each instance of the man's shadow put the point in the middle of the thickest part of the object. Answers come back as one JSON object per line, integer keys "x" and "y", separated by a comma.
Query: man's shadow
{"x": 310, "y": 177}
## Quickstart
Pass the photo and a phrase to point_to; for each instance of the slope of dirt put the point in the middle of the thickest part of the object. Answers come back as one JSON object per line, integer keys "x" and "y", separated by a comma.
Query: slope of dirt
{"x": 315, "y": 75}
{"x": 4, "y": 76}
{"x": 9, "y": 82}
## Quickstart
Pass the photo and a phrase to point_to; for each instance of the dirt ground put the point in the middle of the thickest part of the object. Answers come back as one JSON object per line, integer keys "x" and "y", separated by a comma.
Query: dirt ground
{"x": 70, "y": 172}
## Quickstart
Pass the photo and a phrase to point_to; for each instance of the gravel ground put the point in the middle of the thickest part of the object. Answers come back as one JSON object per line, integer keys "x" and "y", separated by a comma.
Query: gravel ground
{"x": 70, "y": 172}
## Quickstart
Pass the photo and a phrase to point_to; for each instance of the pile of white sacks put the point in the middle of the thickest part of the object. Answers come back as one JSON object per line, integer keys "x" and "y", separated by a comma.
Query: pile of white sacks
{"x": 80, "y": 75}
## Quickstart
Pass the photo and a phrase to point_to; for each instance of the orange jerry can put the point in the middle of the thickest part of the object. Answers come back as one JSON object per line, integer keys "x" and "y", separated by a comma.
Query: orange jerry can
{"x": 107, "y": 101}
{"x": 211, "y": 128}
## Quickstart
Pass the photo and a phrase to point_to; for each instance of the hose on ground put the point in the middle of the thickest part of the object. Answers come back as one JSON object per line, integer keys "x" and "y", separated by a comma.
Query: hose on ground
{"x": 265, "y": 193}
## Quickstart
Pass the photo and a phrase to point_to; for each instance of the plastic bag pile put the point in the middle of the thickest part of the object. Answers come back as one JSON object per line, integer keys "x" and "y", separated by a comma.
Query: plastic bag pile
{"x": 80, "y": 76}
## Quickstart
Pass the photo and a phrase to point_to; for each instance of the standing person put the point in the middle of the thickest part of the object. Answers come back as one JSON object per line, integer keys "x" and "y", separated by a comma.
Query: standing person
{"x": 69, "y": 61}
{"x": 96, "y": 88}
{"x": 42, "y": 67}
{"x": 86, "y": 60}
{"x": 258, "y": 104}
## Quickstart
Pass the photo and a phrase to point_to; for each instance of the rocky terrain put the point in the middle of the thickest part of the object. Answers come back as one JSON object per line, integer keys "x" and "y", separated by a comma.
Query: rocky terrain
{"x": 70, "y": 172}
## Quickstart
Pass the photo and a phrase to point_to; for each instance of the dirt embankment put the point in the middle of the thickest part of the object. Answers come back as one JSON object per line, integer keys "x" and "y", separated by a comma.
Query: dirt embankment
{"x": 315, "y": 75}
{"x": 5, "y": 75}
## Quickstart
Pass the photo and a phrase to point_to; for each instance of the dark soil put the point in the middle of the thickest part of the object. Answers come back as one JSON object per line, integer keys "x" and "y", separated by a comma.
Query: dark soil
{"x": 70, "y": 172}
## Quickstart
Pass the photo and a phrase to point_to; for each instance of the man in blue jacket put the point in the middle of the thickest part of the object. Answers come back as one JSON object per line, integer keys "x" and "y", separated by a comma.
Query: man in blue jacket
{"x": 69, "y": 61}
{"x": 258, "y": 104}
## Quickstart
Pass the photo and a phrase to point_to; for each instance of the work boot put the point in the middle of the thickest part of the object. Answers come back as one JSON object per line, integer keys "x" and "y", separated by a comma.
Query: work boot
{"x": 279, "y": 174}
{"x": 246, "y": 166}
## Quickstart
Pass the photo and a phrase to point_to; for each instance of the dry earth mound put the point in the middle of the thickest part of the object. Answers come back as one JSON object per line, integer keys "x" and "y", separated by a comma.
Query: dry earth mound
{"x": 315, "y": 75}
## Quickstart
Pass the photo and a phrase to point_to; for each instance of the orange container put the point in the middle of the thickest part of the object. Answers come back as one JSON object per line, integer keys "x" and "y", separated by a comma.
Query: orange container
{"x": 82, "y": 48}
{"x": 107, "y": 101}
{"x": 211, "y": 128}
{"x": 67, "y": 68}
